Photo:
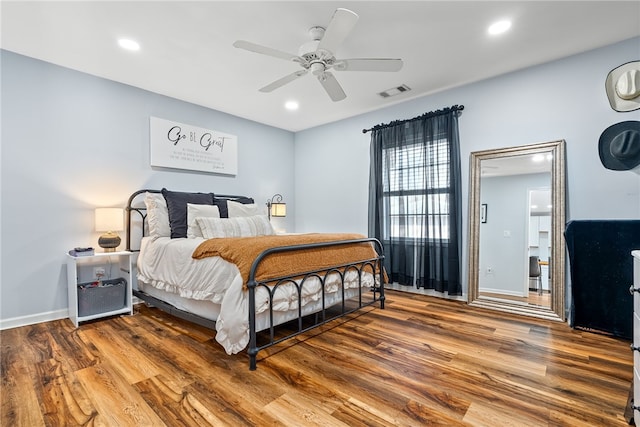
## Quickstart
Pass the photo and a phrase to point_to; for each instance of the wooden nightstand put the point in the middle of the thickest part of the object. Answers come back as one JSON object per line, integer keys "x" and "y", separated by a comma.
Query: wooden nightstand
{"x": 112, "y": 296}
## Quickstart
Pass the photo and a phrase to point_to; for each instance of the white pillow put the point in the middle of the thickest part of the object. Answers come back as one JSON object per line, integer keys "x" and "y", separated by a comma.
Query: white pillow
{"x": 199, "y": 211}
{"x": 248, "y": 226}
{"x": 237, "y": 209}
{"x": 157, "y": 215}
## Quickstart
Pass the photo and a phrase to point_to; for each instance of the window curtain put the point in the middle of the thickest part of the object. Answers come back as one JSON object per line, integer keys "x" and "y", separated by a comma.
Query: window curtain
{"x": 415, "y": 200}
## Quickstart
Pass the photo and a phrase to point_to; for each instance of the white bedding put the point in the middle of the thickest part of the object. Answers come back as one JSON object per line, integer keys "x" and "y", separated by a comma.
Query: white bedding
{"x": 166, "y": 265}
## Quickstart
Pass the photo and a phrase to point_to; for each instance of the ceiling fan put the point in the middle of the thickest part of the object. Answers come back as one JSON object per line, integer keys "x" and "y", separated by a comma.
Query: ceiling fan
{"x": 318, "y": 57}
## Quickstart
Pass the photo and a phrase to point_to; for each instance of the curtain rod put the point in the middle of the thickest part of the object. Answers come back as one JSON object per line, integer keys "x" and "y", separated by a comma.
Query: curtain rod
{"x": 425, "y": 115}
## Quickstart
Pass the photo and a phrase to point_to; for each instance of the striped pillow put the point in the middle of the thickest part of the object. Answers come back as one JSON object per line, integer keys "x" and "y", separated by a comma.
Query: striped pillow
{"x": 248, "y": 226}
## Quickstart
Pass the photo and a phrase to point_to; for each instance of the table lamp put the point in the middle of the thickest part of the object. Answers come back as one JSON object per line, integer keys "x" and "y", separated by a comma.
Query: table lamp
{"x": 110, "y": 220}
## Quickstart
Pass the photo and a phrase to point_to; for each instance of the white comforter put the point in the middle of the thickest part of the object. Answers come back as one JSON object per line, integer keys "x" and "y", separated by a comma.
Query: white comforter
{"x": 166, "y": 264}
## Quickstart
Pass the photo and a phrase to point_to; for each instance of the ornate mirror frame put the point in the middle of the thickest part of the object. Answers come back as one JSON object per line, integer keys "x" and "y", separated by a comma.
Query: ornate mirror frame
{"x": 556, "y": 311}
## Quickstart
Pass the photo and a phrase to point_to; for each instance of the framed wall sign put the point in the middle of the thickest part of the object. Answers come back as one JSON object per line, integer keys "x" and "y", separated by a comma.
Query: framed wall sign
{"x": 180, "y": 146}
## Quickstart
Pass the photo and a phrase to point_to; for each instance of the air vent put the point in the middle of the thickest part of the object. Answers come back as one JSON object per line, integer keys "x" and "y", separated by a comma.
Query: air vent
{"x": 394, "y": 91}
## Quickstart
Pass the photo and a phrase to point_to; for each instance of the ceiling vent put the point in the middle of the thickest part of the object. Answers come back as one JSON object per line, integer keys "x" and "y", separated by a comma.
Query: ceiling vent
{"x": 394, "y": 91}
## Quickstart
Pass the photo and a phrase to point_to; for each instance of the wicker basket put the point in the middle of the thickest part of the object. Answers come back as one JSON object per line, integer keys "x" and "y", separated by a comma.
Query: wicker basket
{"x": 109, "y": 295}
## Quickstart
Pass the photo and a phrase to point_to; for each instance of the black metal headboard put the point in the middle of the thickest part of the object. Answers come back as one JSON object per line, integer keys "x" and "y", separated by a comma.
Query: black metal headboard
{"x": 140, "y": 208}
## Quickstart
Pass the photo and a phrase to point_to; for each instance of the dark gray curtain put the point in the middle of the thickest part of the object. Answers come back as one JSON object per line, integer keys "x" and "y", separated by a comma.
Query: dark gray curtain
{"x": 415, "y": 200}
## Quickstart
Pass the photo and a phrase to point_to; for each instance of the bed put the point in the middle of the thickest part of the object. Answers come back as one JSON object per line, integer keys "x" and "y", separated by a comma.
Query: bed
{"x": 215, "y": 260}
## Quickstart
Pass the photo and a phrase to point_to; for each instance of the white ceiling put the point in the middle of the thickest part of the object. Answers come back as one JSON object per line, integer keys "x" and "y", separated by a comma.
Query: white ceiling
{"x": 516, "y": 165}
{"x": 187, "y": 53}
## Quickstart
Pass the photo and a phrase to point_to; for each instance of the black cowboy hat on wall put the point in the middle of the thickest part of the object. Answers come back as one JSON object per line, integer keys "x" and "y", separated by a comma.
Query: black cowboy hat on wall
{"x": 619, "y": 146}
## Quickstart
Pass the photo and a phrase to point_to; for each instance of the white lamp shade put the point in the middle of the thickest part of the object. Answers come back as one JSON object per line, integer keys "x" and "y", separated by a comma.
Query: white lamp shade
{"x": 278, "y": 209}
{"x": 109, "y": 219}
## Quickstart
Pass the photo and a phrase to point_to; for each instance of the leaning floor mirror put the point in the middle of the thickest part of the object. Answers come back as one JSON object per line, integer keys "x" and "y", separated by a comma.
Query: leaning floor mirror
{"x": 516, "y": 226}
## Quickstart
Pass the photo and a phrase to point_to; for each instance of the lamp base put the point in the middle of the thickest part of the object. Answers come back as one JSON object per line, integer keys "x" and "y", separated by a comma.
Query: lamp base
{"x": 109, "y": 241}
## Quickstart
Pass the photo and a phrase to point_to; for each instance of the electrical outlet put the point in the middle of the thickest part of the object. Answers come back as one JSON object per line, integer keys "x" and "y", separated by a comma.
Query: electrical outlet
{"x": 99, "y": 272}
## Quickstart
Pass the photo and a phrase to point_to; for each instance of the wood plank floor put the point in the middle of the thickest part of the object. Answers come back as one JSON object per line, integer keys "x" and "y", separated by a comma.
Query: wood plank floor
{"x": 543, "y": 300}
{"x": 420, "y": 361}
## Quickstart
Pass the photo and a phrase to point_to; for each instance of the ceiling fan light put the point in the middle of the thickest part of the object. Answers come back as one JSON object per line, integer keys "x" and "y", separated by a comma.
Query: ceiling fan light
{"x": 317, "y": 68}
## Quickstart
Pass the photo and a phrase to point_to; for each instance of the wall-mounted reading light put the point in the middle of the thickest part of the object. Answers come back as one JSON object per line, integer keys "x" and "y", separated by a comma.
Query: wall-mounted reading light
{"x": 276, "y": 207}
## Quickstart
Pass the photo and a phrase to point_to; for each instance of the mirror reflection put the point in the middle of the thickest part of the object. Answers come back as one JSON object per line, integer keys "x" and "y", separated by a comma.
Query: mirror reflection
{"x": 512, "y": 242}
{"x": 539, "y": 245}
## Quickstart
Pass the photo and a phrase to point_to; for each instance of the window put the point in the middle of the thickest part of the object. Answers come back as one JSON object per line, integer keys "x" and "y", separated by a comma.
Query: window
{"x": 416, "y": 191}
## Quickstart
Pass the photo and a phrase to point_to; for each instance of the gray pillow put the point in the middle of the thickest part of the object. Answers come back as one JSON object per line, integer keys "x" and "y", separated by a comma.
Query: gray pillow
{"x": 177, "y": 207}
{"x": 221, "y": 203}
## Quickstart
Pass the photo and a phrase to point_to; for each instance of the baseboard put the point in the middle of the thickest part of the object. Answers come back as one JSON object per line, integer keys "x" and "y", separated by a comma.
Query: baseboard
{"x": 421, "y": 291}
{"x": 503, "y": 292}
{"x": 16, "y": 322}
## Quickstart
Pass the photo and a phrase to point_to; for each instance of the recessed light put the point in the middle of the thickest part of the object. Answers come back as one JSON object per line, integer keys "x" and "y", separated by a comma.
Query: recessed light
{"x": 291, "y": 105}
{"x": 499, "y": 27}
{"x": 129, "y": 44}
{"x": 538, "y": 158}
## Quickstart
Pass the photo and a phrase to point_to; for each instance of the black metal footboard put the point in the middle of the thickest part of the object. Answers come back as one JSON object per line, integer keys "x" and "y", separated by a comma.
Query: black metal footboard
{"x": 373, "y": 266}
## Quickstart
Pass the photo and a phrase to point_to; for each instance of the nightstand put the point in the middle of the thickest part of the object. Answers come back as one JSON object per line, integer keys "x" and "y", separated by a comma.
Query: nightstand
{"x": 113, "y": 294}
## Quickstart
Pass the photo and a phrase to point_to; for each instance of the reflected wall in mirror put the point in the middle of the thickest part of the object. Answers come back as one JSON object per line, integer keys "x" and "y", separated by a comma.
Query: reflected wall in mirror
{"x": 516, "y": 222}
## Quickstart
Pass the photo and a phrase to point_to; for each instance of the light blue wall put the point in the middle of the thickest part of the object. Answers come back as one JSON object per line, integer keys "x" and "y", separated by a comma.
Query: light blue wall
{"x": 72, "y": 142}
{"x": 564, "y": 99}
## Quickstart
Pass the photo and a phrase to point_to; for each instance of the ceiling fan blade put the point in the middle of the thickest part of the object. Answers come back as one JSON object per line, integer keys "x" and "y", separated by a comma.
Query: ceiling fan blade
{"x": 341, "y": 24}
{"x": 283, "y": 81}
{"x": 368, "y": 64}
{"x": 331, "y": 86}
{"x": 252, "y": 47}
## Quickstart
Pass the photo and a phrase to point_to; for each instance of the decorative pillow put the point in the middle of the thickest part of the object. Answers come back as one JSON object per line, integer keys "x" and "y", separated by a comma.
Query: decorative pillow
{"x": 248, "y": 226}
{"x": 236, "y": 209}
{"x": 222, "y": 204}
{"x": 199, "y": 211}
{"x": 177, "y": 206}
{"x": 157, "y": 215}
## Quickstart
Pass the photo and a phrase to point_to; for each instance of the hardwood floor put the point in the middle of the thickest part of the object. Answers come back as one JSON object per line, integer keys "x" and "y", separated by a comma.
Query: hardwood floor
{"x": 420, "y": 361}
{"x": 533, "y": 298}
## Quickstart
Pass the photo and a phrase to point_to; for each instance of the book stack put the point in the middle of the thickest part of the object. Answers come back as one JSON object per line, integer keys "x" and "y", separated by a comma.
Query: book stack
{"x": 78, "y": 252}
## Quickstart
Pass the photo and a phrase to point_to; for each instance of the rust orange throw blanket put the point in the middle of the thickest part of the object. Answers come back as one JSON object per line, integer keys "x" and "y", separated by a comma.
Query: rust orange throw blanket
{"x": 242, "y": 251}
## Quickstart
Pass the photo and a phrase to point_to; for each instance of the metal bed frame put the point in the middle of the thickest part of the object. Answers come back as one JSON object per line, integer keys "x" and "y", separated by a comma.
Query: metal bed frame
{"x": 323, "y": 316}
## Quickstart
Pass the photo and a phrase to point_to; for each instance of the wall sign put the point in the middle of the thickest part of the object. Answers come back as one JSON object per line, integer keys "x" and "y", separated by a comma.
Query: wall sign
{"x": 180, "y": 146}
